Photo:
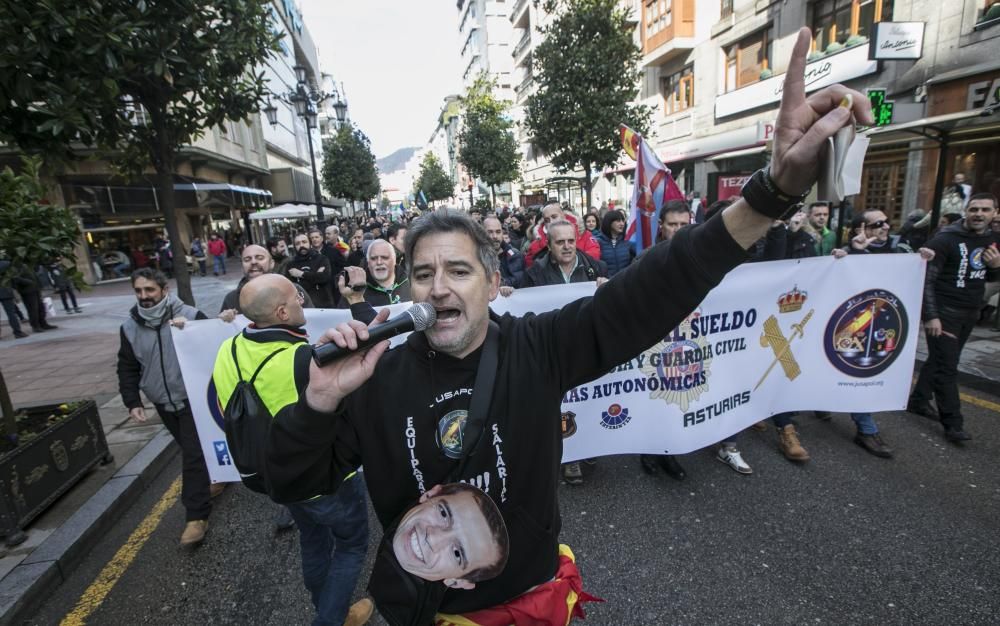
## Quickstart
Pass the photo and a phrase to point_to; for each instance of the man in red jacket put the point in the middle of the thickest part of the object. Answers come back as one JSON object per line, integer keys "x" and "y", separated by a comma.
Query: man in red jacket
{"x": 584, "y": 242}
{"x": 217, "y": 248}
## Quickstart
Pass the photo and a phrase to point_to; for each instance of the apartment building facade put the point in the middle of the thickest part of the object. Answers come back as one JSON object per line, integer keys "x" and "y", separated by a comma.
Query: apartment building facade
{"x": 713, "y": 71}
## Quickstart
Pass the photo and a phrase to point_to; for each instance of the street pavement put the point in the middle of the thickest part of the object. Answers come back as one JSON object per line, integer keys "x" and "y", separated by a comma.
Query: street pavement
{"x": 78, "y": 361}
{"x": 845, "y": 539}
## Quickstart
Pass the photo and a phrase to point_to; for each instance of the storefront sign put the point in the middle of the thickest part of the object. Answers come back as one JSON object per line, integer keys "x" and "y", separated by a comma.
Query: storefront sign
{"x": 765, "y": 131}
{"x": 983, "y": 93}
{"x": 896, "y": 40}
{"x": 729, "y": 185}
{"x": 837, "y": 68}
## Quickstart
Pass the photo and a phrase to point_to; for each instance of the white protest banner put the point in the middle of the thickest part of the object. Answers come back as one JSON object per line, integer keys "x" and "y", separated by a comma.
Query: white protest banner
{"x": 813, "y": 334}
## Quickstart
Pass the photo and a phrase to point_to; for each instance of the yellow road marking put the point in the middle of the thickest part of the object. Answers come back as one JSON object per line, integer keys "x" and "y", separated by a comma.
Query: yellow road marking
{"x": 986, "y": 404}
{"x": 112, "y": 572}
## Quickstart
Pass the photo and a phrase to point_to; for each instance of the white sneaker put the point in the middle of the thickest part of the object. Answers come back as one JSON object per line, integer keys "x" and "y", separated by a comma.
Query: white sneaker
{"x": 731, "y": 457}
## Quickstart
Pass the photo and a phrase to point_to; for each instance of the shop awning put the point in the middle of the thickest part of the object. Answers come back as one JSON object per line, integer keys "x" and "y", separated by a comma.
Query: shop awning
{"x": 221, "y": 195}
{"x": 292, "y": 211}
{"x": 934, "y": 127}
{"x": 221, "y": 187}
{"x": 737, "y": 153}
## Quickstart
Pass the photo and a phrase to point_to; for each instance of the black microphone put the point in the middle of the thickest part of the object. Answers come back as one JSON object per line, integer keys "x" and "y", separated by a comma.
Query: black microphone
{"x": 420, "y": 316}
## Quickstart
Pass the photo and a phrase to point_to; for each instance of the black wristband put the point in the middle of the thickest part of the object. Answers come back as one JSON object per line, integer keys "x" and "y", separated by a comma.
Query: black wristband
{"x": 763, "y": 196}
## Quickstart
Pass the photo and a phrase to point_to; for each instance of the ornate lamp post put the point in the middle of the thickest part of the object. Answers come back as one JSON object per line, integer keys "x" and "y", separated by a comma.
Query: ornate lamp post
{"x": 306, "y": 101}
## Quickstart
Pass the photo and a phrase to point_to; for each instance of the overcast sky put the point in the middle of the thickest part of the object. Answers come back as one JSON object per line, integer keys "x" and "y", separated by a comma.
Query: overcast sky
{"x": 398, "y": 59}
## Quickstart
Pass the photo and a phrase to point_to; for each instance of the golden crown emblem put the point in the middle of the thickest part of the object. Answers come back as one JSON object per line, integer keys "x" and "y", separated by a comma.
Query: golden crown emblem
{"x": 792, "y": 301}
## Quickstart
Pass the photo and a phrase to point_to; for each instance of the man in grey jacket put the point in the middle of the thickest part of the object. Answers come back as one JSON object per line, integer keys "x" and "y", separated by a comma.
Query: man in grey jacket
{"x": 147, "y": 362}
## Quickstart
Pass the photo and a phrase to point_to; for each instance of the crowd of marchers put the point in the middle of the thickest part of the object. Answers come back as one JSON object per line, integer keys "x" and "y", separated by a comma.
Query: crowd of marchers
{"x": 348, "y": 265}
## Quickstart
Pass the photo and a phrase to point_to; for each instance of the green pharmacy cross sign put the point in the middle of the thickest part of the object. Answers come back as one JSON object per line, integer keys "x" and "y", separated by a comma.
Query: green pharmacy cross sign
{"x": 881, "y": 108}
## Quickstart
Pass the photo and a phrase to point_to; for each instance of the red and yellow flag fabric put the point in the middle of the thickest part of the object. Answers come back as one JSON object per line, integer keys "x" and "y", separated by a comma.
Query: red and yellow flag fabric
{"x": 553, "y": 603}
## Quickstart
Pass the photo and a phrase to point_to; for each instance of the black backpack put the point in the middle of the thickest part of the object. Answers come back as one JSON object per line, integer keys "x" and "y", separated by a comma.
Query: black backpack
{"x": 248, "y": 425}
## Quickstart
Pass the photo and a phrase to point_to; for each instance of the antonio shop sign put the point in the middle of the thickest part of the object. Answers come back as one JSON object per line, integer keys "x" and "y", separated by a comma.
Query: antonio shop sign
{"x": 836, "y": 68}
{"x": 897, "y": 41}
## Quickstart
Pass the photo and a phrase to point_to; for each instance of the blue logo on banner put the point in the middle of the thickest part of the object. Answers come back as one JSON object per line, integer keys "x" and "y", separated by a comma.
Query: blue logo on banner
{"x": 222, "y": 453}
{"x": 615, "y": 417}
{"x": 866, "y": 333}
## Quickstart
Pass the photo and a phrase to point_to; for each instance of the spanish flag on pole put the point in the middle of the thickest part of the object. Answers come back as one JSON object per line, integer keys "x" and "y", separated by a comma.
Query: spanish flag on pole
{"x": 654, "y": 187}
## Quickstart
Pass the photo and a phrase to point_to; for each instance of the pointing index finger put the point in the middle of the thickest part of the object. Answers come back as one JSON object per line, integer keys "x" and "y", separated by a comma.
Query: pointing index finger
{"x": 793, "y": 92}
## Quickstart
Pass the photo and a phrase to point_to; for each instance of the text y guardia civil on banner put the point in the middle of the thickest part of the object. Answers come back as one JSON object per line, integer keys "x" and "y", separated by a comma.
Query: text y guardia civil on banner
{"x": 812, "y": 334}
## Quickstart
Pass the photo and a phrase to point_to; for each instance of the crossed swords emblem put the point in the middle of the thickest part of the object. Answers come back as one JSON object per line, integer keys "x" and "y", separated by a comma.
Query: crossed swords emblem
{"x": 782, "y": 347}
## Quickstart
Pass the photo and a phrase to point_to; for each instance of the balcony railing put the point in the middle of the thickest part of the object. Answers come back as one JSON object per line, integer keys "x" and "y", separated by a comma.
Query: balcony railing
{"x": 522, "y": 44}
{"x": 517, "y": 9}
{"x": 525, "y": 85}
{"x": 635, "y": 11}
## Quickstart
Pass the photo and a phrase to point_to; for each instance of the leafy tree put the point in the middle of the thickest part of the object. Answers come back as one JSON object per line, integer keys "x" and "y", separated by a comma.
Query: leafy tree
{"x": 32, "y": 232}
{"x": 433, "y": 180}
{"x": 587, "y": 75}
{"x": 487, "y": 146}
{"x": 137, "y": 79}
{"x": 349, "y": 169}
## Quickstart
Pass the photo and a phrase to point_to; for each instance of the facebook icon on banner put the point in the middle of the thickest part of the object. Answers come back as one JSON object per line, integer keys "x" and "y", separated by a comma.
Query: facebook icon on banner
{"x": 222, "y": 453}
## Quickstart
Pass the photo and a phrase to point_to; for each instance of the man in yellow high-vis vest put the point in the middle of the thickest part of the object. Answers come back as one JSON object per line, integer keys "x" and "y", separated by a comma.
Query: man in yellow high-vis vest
{"x": 333, "y": 529}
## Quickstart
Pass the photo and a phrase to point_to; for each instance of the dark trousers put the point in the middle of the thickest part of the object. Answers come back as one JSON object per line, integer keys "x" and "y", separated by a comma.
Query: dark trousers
{"x": 939, "y": 374}
{"x": 195, "y": 494}
{"x": 68, "y": 292}
{"x": 333, "y": 537}
{"x": 780, "y": 420}
{"x": 36, "y": 310}
{"x": 10, "y": 308}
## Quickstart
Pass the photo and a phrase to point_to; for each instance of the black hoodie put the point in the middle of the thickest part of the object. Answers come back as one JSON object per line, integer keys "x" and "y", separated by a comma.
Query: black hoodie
{"x": 390, "y": 423}
{"x": 315, "y": 277}
{"x": 957, "y": 276}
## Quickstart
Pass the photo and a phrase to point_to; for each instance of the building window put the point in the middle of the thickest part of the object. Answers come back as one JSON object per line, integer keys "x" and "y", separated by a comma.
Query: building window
{"x": 746, "y": 59}
{"x": 678, "y": 90}
{"x": 727, "y": 8}
{"x": 658, "y": 16}
{"x": 836, "y": 21}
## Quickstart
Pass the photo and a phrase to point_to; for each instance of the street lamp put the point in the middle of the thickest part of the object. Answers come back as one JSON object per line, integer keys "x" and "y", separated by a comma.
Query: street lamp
{"x": 306, "y": 100}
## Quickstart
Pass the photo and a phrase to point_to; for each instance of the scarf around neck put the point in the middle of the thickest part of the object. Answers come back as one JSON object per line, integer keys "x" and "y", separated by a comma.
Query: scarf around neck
{"x": 160, "y": 312}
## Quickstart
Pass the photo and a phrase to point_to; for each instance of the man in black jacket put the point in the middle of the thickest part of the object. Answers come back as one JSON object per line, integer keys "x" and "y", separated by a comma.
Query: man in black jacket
{"x": 335, "y": 254}
{"x": 511, "y": 260}
{"x": 966, "y": 257}
{"x": 311, "y": 270}
{"x": 256, "y": 262}
{"x": 563, "y": 263}
{"x": 7, "y": 301}
{"x": 354, "y": 410}
{"x": 396, "y": 235}
{"x": 26, "y": 282}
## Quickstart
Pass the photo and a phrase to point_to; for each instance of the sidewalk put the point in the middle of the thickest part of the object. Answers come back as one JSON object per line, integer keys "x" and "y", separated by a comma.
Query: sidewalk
{"x": 78, "y": 361}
